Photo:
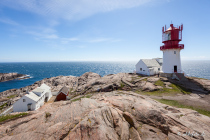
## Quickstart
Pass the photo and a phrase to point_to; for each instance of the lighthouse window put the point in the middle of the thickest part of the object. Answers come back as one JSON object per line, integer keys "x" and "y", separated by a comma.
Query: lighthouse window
{"x": 174, "y": 52}
{"x": 24, "y": 100}
{"x": 158, "y": 69}
{"x": 140, "y": 69}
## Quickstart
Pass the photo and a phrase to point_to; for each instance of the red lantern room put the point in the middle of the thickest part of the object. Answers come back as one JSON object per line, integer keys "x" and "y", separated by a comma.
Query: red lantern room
{"x": 171, "y": 37}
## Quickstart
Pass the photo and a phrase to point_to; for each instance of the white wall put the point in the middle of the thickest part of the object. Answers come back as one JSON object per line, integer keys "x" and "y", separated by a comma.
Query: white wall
{"x": 48, "y": 94}
{"x": 20, "y": 106}
{"x": 145, "y": 70}
{"x": 170, "y": 60}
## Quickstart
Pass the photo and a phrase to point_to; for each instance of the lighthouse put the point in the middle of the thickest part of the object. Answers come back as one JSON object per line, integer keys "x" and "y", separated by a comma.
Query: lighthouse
{"x": 171, "y": 49}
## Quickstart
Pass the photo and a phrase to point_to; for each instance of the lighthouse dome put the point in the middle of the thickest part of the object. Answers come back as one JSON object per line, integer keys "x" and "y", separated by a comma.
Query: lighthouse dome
{"x": 169, "y": 29}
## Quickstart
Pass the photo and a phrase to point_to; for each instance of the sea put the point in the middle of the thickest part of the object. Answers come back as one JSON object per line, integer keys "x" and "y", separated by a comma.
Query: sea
{"x": 40, "y": 70}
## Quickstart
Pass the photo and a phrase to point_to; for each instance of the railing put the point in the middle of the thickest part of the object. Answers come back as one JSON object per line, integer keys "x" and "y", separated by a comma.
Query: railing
{"x": 179, "y": 46}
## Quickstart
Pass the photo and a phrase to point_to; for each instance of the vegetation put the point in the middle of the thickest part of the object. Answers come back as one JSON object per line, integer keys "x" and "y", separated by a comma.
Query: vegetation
{"x": 2, "y": 106}
{"x": 144, "y": 79}
{"x": 166, "y": 91}
{"x": 122, "y": 85}
{"x": 9, "y": 117}
{"x": 47, "y": 114}
{"x": 71, "y": 90}
{"x": 159, "y": 83}
{"x": 179, "y": 105}
{"x": 86, "y": 96}
{"x": 11, "y": 96}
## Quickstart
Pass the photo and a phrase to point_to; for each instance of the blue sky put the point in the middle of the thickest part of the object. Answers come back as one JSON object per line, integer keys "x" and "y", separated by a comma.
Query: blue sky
{"x": 99, "y": 30}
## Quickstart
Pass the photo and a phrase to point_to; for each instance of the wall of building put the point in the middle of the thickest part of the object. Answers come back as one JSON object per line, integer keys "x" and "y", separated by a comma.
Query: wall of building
{"x": 20, "y": 106}
{"x": 144, "y": 71}
{"x": 61, "y": 96}
{"x": 170, "y": 60}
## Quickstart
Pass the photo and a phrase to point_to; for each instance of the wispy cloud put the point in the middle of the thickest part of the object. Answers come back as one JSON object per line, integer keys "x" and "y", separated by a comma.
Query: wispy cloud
{"x": 71, "y": 9}
{"x": 8, "y": 21}
{"x": 97, "y": 40}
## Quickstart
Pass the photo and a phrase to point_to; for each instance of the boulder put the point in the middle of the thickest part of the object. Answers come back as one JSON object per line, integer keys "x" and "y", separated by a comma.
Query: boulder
{"x": 149, "y": 87}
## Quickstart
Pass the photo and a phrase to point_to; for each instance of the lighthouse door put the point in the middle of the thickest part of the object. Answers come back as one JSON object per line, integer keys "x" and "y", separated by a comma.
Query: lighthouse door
{"x": 175, "y": 68}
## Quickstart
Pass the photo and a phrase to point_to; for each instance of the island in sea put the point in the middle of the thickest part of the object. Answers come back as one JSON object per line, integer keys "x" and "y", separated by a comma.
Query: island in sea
{"x": 115, "y": 106}
{"x": 12, "y": 76}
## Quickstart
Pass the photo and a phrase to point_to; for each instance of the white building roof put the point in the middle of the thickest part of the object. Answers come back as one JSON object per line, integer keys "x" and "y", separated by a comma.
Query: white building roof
{"x": 151, "y": 62}
{"x": 38, "y": 89}
{"x": 44, "y": 86}
{"x": 33, "y": 96}
{"x": 159, "y": 60}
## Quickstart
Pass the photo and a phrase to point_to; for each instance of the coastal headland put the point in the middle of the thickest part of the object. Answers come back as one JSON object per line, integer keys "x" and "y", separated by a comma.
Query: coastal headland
{"x": 116, "y": 106}
{"x": 11, "y": 76}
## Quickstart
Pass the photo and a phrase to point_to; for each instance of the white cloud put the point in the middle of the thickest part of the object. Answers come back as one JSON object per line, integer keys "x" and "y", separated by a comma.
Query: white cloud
{"x": 97, "y": 40}
{"x": 8, "y": 21}
{"x": 70, "y": 9}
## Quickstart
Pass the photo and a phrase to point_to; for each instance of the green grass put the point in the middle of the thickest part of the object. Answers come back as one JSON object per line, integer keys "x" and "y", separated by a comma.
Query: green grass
{"x": 122, "y": 85}
{"x": 11, "y": 96}
{"x": 47, "y": 114}
{"x": 144, "y": 79}
{"x": 8, "y": 117}
{"x": 159, "y": 83}
{"x": 179, "y": 105}
{"x": 86, "y": 96}
{"x": 166, "y": 91}
{"x": 2, "y": 106}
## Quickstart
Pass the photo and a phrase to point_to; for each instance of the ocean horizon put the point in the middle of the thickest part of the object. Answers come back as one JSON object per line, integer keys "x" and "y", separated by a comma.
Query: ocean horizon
{"x": 40, "y": 70}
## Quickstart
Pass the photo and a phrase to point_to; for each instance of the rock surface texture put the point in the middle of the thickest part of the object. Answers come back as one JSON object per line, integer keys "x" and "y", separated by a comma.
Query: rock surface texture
{"x": 9, "y": 76}
{"x": 108, "y": 116}
{"x": 92, "y": 82}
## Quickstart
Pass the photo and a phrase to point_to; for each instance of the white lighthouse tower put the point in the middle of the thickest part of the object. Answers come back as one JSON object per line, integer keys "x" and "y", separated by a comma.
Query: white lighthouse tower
{"x": 171, "y": 50}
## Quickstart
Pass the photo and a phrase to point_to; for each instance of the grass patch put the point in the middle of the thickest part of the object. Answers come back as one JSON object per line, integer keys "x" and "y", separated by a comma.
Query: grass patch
{"x": 122, "y": 85}
{"x": 159, "y": 83}
{"x": 144, "y": 79}
{"x": 165, "y": 91}
{"x": 78, "y": 99}
{"x": 11, "y": 96}
{"x": 179, "y": 105}
{"x": 70, "y": 90}
{"x": 2, "y": 106}
{"x": 9, "y": 117}
{"x": 181, "y": 89}
{"x": 120, "y": 93}
{"x": 47, "y": 115}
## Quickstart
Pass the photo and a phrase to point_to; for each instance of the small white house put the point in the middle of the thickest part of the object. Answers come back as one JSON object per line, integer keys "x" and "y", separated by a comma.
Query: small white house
{"x": 33, "y": 100}
{"x": 149, "y": 66}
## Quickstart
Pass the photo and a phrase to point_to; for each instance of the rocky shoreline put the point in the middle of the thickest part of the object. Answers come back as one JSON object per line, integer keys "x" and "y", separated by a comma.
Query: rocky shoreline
{"x": 116, "y": 106}
{"x": 92, "y": 82}
{"x": 12, "y": 76}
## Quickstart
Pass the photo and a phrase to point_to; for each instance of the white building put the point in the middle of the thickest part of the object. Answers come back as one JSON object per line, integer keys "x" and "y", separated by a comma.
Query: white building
{"x": 149, "y": 66}
{"x": 33, "y": 100}
{"x": 172, "y": 61}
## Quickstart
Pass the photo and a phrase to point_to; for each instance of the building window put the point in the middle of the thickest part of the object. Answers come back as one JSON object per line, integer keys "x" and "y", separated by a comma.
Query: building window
{"x": 174, "y": 52}
{"x": 143, "y": 70}
{"x": 24, "y": 100}
{"x": 140, "y": 69}
{"x": 158, "y": 69}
